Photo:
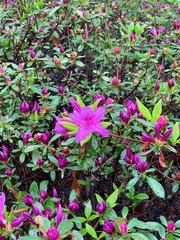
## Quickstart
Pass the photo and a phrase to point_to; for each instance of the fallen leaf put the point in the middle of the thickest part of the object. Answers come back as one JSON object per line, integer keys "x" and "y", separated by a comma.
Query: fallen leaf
{"x": 56, "y": 41}
{"x": 161, "y": 160}
{"x": 75, "y": 184}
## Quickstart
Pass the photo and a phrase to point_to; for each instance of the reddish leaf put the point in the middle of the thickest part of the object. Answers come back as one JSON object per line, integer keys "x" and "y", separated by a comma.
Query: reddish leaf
{"x": 147, "y": 152}
{"x": 4, "y": 4}
{"x": 145, "y": 145}
{"x": 56, "y": 41}
{"x": 75, "y": 184}
{"x": 161, "y": 160}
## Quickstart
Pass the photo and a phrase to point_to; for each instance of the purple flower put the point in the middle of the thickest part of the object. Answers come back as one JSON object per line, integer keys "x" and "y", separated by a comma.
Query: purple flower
{"x": 131, "y": 106}
{"x": 109, "y": 227}
{"x": 3, "y": 238}
{"x": 61, "y": 89}
{"x": 75, "y": 105}
{"x": 47, "y": 213}
{"x": 170, "y": 83}
{"x": 62, "y": 161}
{"x": 171, "y": 226}
{"x": 103, "y": 9}
{"x": 152, "y": 51}
{"x": 123, "y": 228}
{"x": 157, "y": 130}
{"x": 44, "y": 91}
{"x": 9, "y": 171}
{"x": 55, "y": 194}
{"x": 102, "y": 101}
{"x": 30, "y": 219}
{"x": 132, "y": 36}
{"x": 45, "y": 137}
{"x": 28, "y": 200}
{"x": 125, "y": 117}
{"x": 99, "y": 162}
{"x": 36, "y": 107}
{"x": 36, "y": 210}
{"x": 24, "y": 107}
{"x": 148, "y": 138}
{"x": 4, "y": 154}
{"x": 129, "y": 156}
{"x": 39, "y": 162}
{"x": 17, "y": 221}
{"x": 109, "y": 101}
{"x": 59, "y": 215}
{"x": 43, "y": 194}
{"x": 53, "y": 234}
{"x": 152, "y": 32}
{"x": 59, "y": 129}
{"x": 32, "y": 54}
{"x": 159, "y": 31}
{"x": 166, "y": 134}
{"x": 101, "y": 207}
{"x": 26, "y": 137}
{"x": 73, "y": 206}
{"x": 157, "y": 86}
{"x": 2, "y": 204}
{"x": 142, "y": 166}
{"x": 136, "y": 158}
{"x": 88, "y": 121}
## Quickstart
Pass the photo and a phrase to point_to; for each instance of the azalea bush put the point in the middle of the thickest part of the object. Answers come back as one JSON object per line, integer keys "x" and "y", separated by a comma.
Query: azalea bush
{"x": 89, "y": 120}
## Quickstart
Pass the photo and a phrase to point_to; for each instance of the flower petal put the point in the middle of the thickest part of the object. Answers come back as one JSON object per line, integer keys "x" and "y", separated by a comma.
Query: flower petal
{"x": 82, "y": 134}
{"x": 77, "y": 118}
{"x": 99, "y": 113}
{"x": 98, "y": 128}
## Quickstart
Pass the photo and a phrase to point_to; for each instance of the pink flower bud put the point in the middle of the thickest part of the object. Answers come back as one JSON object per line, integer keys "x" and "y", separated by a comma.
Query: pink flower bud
{"x": 123, "y": 228}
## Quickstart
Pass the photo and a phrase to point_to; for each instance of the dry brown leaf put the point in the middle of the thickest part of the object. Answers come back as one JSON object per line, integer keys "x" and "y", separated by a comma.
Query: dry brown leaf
{"x": 18, "y": 211}
{"x": 161, "y": 160}
{"x": 56, "y": 41}
{"x": 145, "y": 145}
{"x": 4, "y": 4}
{"x": 75, "y": 184}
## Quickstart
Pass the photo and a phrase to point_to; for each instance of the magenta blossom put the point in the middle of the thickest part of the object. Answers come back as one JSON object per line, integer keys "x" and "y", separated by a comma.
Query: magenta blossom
{"x": 4, "y": 154}
{"x": 88, "y": 121}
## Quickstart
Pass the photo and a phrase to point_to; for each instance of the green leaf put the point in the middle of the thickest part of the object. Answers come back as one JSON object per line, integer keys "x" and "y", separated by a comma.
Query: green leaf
{"x": 113, "y": 198}
{"x": 131, "y": 27}
{"x": 94, "y": 142}
{"x": 79, "y": 63}
{"x": 43, "y": 185}
{"x": 79, "y": 100}
{"x": 99, "y": 198}
{"x": 95, "y": 104}
{"x": 175, "y": 132}
{"x": 156, "y": 187}
{"x": 34, "y": 188}
{"x": 131, "y": 183}
{"x": 157, "y": 110}
{"x": 87, "y": 139}
{"x": 132, "y": 223}
{"x": 105, "y": 124}
{"x": 30, "y": 238}
{"x": 91, "y": 231}
{"x": 124, "y": 212}
{"x": 137, "y": 236}
{"x": 170, "y": 148}
{"x": 65, "y": 226}
{"x": 77, "y": 235}
{"x": 141, "y": 196}
{"x": 88, "y": 209}
{"x": 31, "y": 148}
{"x": 69, "y": 126}
{"x": 143, "y": 110}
